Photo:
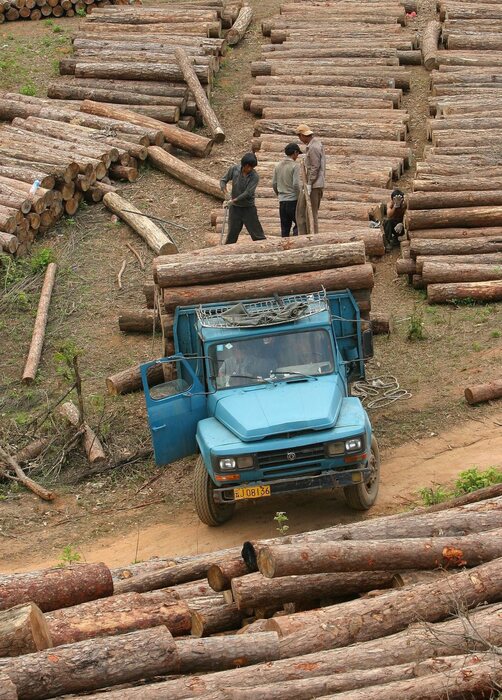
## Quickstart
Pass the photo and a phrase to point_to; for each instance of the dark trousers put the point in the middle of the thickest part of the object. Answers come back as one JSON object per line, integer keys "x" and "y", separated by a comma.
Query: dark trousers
{"x": 287, "y": 212}
{"x": 244, "y": 216}
{"x": 390, "y": 236}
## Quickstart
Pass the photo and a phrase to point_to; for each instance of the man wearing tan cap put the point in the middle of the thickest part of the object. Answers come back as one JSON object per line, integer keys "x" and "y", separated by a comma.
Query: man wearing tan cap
{"x": 315, "y": 163}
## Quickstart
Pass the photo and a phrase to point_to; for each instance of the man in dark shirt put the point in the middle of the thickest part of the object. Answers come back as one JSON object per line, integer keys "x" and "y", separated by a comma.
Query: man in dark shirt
{"x": 242, "y": 208}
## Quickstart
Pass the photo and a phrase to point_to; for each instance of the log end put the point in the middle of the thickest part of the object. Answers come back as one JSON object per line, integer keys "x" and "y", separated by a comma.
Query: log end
{"x": 216, "y": 579}
{"x": 111, "y": 386}
{"x": 168, "y": 248}
{"x": 197, "y": 624}
{"x": 219, "y": 136}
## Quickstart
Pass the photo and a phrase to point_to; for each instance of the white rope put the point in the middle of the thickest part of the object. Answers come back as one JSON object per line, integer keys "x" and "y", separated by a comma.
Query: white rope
{"x": 379, "y": 391}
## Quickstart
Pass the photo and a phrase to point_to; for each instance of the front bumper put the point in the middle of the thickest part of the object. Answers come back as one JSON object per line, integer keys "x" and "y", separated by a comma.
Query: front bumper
{"x": 325, "y": 480}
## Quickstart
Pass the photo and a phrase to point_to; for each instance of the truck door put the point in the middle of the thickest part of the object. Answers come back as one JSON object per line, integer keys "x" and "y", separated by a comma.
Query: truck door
{"x": 174, "y": 408}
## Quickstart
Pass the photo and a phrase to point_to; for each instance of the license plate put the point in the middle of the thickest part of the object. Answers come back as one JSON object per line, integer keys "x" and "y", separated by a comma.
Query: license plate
{"x": 251, "y": 492}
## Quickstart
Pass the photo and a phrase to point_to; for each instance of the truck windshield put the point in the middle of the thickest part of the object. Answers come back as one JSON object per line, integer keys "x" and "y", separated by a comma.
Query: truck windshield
{"x": 281, "y": 357}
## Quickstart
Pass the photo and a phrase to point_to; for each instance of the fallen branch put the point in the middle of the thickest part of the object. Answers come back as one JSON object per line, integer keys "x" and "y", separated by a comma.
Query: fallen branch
{"x": 121, "y": 272}
{"x": 25, "y": 480}
{"x": 138, "y": 256}
{"x": 143, "y": 453}
{"x": 37, "y": 340}
{"x": 93, "y": 448}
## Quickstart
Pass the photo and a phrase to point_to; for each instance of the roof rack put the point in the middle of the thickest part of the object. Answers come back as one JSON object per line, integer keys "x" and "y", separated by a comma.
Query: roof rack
{"x": 263, "y": 312}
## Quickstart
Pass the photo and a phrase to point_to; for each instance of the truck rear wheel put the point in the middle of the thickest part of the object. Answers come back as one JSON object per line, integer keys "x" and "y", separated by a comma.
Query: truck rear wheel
{"x": 209, "y": 512}
{"x": 363, "y": 496}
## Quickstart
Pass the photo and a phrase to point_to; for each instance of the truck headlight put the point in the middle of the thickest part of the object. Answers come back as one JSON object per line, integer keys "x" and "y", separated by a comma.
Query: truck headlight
{"x": 335, "y": 448}
{"x": 227, "y": 463}
{"x": 354, "y": 445}
{"x": 245, "y": 462}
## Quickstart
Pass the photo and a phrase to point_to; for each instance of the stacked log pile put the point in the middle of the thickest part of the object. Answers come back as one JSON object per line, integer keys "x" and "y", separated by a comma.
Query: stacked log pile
{"x": 11, "y": 10}
{"x": 454, "y": 217}
{"x": 271, "y": 619}
{"x": 338, "y": 70}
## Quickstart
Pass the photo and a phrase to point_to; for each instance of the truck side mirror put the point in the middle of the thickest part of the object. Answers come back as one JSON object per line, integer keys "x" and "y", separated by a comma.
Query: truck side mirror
{"x": 367, "y": 343}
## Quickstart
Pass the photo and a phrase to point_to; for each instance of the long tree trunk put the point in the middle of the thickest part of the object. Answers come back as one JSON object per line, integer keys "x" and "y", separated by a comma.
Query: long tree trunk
{"x": 220, "y": 576}
{"x": 238, "y": 267}
{"x": 416, "y": 643}
{"x": 352, "y": 277}
{"x": 459, "y": 216}
{"x": 190, "y": 76}
{"x": 186, "y": 173}
{"x": 8, "y": 690}
{"x": 129, "y": 379}
{"x": 51, "y": 589}
{"x": 254, "y": 590}
{"x": 435, "y": 272}
{"x": 92, "y": 664}
{"x": 392, "y": 612}
{"x": 454, "y": 246}
{"x": 239, "y": 28}
{"x": 430, "y": 39}
{"x": 154, "y": 236}
{"x": 211, "y": 620}
{"x": 480, "y": 291}
{"x": 226, "y": 651}
{"x": 378, "y": 555}
{"x": 479, "y": 393}
{"x": 119, "y": 614}
{"x": 23, "y": 630}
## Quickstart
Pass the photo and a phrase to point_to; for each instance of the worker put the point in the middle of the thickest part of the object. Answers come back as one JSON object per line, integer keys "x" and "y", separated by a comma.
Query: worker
{"x": 286, "y": 185}
{"x": 241, "y": 206}
{"x": 315, "y": 164}
{"x": 393, "y": 223}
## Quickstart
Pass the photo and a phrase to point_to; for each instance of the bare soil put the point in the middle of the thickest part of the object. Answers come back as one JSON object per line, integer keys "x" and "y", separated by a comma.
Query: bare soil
{"x": 139, "y": 510}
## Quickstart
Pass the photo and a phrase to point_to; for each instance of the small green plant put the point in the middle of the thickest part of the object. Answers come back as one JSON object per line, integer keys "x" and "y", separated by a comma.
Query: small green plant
{"x": 431, "y": 495}
{"x": 22, "y": 301}
{"x": 66, "y": 357}
{"x": 474, "y": 479}
{"x": 416, "y": 326}
{"x": 68, "y": 556}
{"x": 40, "y": 260}
{"x": 70, "y": 221}
{"x": 80, "y": 12}
{"x": 28, "y": 89}
{"x": 57, "y": 29}
{"x": 281, "y": 519}
{"x": 495, "y": 334}
{"x": 48, "y": 22}
{"x": 477, "y": 347}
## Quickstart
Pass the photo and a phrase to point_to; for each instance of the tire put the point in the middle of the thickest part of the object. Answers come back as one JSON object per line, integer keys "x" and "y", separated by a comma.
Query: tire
{"x": 363, "y": 496}
{"x": 209, "y": 512}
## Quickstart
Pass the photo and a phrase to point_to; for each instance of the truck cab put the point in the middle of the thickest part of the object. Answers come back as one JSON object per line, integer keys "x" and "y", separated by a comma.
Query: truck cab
{"x": 260, "y": 390}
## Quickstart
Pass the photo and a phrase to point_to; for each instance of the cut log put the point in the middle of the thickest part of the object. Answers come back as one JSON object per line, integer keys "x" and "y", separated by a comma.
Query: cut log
{"x": 239, "y": 28}
{"x": 479, "y": 393}
{"x": 220, "y": 576}
{"x": 412, "y": 577}
{"x": 184, "y": 172}
{"x": 129, "y": 380}
{"x": 447, "y": 200}
{"x": 144, "y": 321}
{"x": 210, "y": 620}
{"x": 23, "y": 630}
{"x": 8, "y": 690}
{"x": 226, "y": 652}
{"x": 430, "y": 40}
{"x": 380, "y": 323}
{"x": 254, "y": 590}
{"x": 191, "y": 143}
{"x": 252, "y": 265}
{"x": 455, "y": 232}
{"x": 417, "y": 643}
{"x": 439, "y": 273}
{"x": 155, "y": 237}
{"x": 200, "y": 96}
{"x": 92, "y": 445}
{"x": 29, "y": 483}
{"x": 119, "y": 614}
{"x": 317, "y": 629}
{"x": 454, "y": 246}
{"x": 93, "y": 664}
{"x": 8, "y": 242}
{"x": 479, "y": 259}
{"x": 460, "y": 216}
{"x": 477, "y": 291}
{"x": 37, "y": 340}
{"x": 51, "y": 589}
{"x": 413, "y": 553}
{"x": 352, "y": 277}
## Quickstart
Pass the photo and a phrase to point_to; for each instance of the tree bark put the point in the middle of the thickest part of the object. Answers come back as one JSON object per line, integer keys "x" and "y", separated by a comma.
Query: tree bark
{"x": 29, "y": 175}
{"x": 439, "y": 273}
{"x": 372, "y": 618}
{"x": 210, "y": 620}
{"x": 380, "y": 555}
{"x": 92, "y": 445}
{"x": 464, "y": 246}
{"x": 239, "y": 28}
{"x": 455, "y": 232}
{"x": 460, "y": 216}
{"x": 23, "y": 630}
{"x": 51, "y": 589}
{"x": 445, "y": 200}
{"x": 479, "y": 291}
{"x": 187, "y": 174}
{"x": 129, "y": 380}
{"x": 37, "y": 341}
{"x": 479, "y": 259}
{"x": 254, "y": 590}
{"x": 192, "y": 80}
{"x": 239, "y": 267}
{"x": 191, "y": 143}
{"x": 118, "y": 614}
{"x": 430, "y": 39}
{"x": 480, "y": 393}
{"x": 417, "y": 643}
{"x": 380, "y": 323}
{"x": 353, "y": 277}
{"x": 144, "y": 321}
{"x": 72, "y": 91}
{"x": 220, "y": 575}
{"x": 8, "y": 242}
{"x": 154, "y": 236}
{"x": 333, "y": 127}
{"x": 93, "y": 664}
{"x": 8, "y": 690}
{"x": 226, "y": 652}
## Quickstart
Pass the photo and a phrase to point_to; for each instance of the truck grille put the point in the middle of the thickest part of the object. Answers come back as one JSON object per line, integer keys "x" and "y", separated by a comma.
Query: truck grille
{"x": 291, "y": 456}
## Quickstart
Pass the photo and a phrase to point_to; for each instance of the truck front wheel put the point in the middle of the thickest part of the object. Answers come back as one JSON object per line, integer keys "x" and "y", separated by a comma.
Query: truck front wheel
{"x": 209, "y": 512}
{"x": 362, "y": 496}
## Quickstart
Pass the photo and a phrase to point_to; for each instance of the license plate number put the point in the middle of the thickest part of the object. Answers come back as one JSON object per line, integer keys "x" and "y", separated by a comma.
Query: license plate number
{"x": 251, "y": 492}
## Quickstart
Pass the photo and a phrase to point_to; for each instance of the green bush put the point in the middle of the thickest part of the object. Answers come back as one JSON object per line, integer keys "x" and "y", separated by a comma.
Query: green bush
{"x": 474, "y": 479}
{"x": 432, "y": 495}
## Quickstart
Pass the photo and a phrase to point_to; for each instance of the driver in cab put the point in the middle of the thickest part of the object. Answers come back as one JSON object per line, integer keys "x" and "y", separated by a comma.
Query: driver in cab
{"x": 247, "y": 361}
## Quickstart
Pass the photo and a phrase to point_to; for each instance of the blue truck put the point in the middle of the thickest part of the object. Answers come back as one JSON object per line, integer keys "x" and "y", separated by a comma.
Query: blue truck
{"x": 259, "y": 389}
